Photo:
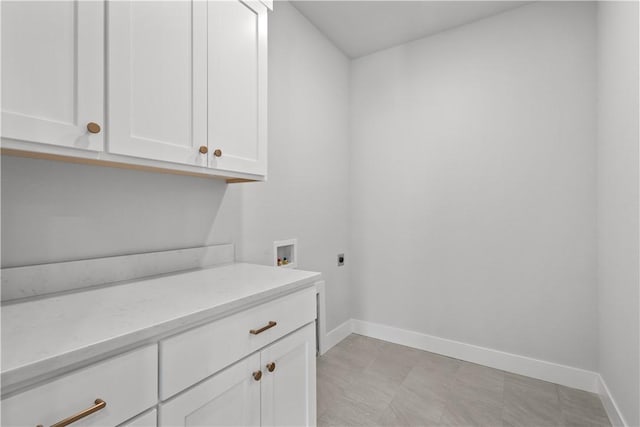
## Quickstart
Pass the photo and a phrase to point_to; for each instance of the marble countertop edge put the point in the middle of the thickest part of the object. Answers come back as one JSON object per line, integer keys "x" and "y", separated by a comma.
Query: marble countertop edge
{"x": 21, "y": 376}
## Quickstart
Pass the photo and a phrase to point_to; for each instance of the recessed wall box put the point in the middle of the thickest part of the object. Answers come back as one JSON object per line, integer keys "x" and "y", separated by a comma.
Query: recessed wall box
{"x": 285, "y": 253}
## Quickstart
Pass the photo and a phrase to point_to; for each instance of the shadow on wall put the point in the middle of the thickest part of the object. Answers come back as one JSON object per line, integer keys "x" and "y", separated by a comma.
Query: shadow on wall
{"x": 54, "y": 211}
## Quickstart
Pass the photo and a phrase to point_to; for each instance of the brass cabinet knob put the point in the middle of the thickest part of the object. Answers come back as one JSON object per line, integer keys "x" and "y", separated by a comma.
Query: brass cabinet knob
{"x": 203, "y": 149}
{"x": 217, "y": 153}
{"x": 271, "y": 366}
{"x": 257, "y": 375}
{"x": 93, "y": 127}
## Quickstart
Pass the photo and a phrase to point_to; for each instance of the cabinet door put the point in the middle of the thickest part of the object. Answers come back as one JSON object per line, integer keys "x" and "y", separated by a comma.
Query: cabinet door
{"x": 157, "y": 92}
{"x": 238, "y": 86}
{"x": 52, "y": 72}
{"x": 289, "y": 390}
{"x": 229, "y": 398}
{"x": 149, "y": 419}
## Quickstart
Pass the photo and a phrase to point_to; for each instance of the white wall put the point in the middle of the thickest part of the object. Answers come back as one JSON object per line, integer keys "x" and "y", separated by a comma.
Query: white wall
{"x": 472, "y": 169}
{"x": 53, "y": 211}
{"x": 306, "y": 195}
{"x": 473, "y": 184}
{"x": 58, "y": 211}
{"x": 618, "y": 247}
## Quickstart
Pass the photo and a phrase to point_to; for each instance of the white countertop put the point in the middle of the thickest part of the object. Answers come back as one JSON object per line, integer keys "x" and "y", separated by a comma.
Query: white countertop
{"x": 41, "y": 336}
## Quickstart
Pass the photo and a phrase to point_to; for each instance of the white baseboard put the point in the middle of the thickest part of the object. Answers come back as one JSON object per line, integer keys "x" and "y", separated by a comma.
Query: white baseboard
{"x": 336, "y": 335}
{"x": 615, "y": 416}
{"x": 540, "y": 369}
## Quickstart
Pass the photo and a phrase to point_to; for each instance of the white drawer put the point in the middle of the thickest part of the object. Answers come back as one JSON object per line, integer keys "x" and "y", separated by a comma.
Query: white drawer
{"x": 127, "y": 383}
{"x": 192, "y": 356}
{"x": 149, "y": 419}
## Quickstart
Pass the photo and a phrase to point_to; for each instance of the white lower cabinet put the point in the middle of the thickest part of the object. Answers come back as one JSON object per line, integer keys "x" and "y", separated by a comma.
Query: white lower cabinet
{"x": 190, "y": 357}
{"x": 108, "y": 393}
{"x": 149, "y": 419}
{"x": 255, "y": 367}
{"x": 275, "y": 386}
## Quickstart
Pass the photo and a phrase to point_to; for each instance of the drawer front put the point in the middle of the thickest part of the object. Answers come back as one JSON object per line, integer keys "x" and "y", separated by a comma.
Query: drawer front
{"x": 149, "y": 419}
{"x": 192, "y": 356}
{"x": 127, "y": 383}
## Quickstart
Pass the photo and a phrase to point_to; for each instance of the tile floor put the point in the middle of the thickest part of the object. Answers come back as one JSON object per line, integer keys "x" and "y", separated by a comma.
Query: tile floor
{"x": 363, "y": 381}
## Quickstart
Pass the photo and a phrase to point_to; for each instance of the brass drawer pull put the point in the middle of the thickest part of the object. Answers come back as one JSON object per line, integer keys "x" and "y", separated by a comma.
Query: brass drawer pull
{"x": 271, "y": 366}
{"x": 270, "y": 325}
{"x": 257, "y": 375}
{"x": 98, "y": 404}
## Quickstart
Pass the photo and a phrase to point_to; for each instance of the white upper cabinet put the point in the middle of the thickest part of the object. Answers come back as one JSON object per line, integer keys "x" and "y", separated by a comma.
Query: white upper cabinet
{"x": 53, "y": 72}
{"x": 186, "y": 83}
{"x": 157, "y": 92}
{"x": 237, "y": 93}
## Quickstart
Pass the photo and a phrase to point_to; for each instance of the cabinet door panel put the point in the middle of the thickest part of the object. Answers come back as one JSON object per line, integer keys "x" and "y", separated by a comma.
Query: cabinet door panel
{"x": 52, "y": 71}
{"x": 150, "y": 419}
{"x": 237, "y": 85}
{"x": 289, "y": 392}
{"x": 157, "y": 80}
{"x": 230, "y": 398}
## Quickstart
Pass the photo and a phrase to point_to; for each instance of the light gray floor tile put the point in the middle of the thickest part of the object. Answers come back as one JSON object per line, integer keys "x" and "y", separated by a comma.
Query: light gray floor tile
{"x": 522, "y": 412}
{"x": 367, "y": 382}
{"x": 355, "y": 357}
{"x": 429, "y": 385}
{"x": 573, "y": 419}
{"x": 345, "y": 412}
{"x": 361, "y": 343}
{"x": 476, "y": 383}
{"x": 438, "y": 364}
{"x": 581, "y": 408}
{"x": 476, "y": 412}
{"x": 392, "y": 364}
{"x": 475, "y": 397}
{"x": 530, "y": 402}
{"x": 411, "y": 409}
{"x": 420, "y": 400}
{"x": 373, "y": 392}
{"x": 530, "y": 387}
{"x": 327, "y": 390}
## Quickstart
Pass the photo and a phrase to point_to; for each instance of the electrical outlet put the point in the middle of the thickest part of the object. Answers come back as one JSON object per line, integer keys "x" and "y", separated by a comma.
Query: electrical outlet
{"x": 340, "y": 260}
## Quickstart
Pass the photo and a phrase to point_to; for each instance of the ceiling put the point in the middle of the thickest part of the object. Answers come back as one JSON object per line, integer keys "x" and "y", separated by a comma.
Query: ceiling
{"x": 362, "y": 27}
